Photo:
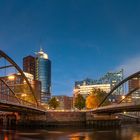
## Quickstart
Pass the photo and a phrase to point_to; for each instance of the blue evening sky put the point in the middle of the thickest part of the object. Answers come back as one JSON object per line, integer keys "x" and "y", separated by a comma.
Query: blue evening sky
{"x": 83, "y": 38}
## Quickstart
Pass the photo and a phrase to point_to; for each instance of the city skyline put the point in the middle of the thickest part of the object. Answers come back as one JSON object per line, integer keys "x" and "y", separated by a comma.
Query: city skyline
{"x": 82, "y": 40}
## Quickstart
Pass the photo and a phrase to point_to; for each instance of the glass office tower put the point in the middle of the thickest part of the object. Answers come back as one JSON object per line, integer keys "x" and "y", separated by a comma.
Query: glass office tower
{"x": 43, "y": 74}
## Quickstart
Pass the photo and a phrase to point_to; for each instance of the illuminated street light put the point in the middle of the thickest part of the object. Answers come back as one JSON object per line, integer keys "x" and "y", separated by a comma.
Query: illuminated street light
{"x": 11, "y": 77}
{"x": 123, "y": 97}
{"x": 124, "y": 112}
{"x": 24, "y": 95}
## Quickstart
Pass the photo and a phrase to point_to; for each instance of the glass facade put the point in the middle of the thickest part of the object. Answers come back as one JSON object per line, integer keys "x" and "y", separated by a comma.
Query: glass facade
{"x": 112, "y": 78}
{"x": 43, "y": 74}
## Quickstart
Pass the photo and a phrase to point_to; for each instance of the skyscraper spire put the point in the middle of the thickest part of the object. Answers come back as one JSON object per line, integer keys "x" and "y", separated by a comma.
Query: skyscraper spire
{"x": 41, "y": 49}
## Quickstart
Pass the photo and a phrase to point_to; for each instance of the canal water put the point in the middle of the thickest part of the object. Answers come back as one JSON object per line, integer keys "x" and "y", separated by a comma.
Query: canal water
{"x": 127, "y": 132}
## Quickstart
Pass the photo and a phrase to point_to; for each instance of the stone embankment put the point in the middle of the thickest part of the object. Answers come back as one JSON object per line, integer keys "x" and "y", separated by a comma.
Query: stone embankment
{"x": 59, "y": 118}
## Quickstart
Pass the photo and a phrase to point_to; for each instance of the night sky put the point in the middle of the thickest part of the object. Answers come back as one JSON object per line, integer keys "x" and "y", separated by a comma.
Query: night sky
{"x": 83, "y": 38}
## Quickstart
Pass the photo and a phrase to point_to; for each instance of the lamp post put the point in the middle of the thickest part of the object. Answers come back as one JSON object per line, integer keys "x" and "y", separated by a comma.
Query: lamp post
{"x": 23, "y": 95}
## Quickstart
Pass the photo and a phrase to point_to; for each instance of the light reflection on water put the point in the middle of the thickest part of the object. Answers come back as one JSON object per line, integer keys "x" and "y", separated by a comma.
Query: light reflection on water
{"x": 123, "y": 133}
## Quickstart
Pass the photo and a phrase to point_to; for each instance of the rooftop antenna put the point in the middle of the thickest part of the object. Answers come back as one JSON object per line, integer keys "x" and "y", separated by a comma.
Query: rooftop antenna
{"x": 40, "y": 46}
{"x": 41, "y": 49}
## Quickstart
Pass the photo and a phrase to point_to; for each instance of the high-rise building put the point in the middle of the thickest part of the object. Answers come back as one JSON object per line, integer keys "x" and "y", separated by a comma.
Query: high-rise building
{"x": 29, "y": 65}
{"x": 43, "y": 74}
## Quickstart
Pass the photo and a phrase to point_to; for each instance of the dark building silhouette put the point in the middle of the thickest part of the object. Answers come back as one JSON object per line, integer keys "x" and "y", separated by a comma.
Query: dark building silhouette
{"x": 29, "y": 65}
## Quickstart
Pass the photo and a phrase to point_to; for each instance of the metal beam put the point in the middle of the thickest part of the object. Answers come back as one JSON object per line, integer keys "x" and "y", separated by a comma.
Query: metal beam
{"x": 8, "y": 66}
{"x": 132, "y": 91}
{"x": 9, "y": 89}
{"x": 20, "y": 71}
{"x": 117, "y": 108}
{"x": 119, "y": 84}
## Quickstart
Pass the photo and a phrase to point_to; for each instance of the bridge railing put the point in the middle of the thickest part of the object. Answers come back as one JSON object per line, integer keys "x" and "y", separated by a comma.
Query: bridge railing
{"x": 5, "y": 98}
{"x": 117, "y": 105}
{"x": 8, "y": 98}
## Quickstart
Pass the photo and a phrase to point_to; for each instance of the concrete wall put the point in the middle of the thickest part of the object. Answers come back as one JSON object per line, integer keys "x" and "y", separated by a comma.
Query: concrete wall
{"x": 58, "y": 118}
{"x": 102, "y": 120}
{"x": 53, "y": 118}
{"x": 65, "y": 116}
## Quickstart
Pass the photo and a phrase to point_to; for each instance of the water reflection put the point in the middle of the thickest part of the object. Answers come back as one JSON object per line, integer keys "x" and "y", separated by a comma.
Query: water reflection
{"x": 124, "y": 133}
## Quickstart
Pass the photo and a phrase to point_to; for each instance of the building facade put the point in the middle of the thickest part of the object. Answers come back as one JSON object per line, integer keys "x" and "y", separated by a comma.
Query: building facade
{"x": 65, "y": 102}
{"x": 105, "y": 83}
{"x": 133, "y": 84}
{"x": 111, "y": 78}
{"x": 43, "y": 74}
{"x": 85, "y": 90}
{"x": 29, "y": 65}
{"x": 17, "y": 83}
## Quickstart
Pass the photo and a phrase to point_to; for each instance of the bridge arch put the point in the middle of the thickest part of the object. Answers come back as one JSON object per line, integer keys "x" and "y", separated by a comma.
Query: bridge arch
{"x": 119, "y": 84}
{"x": 11, "y": 61}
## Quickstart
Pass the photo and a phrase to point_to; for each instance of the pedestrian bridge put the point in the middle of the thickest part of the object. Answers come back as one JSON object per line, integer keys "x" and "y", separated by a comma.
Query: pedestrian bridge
{"x": 11, "y": 99}
{"x": 117, "y": 108}
{"x": 11, "y": 92}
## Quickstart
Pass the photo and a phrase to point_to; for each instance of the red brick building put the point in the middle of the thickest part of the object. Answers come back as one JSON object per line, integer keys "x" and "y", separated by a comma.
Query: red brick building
{"x": 29, "y": 65}
{"x": 19, "y": 86}
{"x": 66, "y": 102}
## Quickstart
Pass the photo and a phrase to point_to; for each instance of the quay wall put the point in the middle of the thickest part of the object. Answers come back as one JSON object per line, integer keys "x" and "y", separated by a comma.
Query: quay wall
{"x": 58, "y": 118}
{"x": 69, "y": 118}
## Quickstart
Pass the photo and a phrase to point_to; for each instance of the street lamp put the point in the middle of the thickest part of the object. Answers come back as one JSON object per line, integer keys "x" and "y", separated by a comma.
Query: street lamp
{"x": 11, "y": 77}
{"x": 23, "y": 95}
{"x": 122, "y": 97}
{"x": 124, "y": 112}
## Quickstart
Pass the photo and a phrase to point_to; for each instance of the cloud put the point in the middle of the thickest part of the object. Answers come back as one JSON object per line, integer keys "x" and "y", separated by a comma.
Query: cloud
{"x": 130, "y": 66}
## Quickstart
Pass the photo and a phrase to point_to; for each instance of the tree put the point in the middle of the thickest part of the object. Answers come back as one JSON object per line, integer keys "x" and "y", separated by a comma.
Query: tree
{"x": 79, "y": 102}
{"x": 91, "y": 101}
{"x": 95, "y": 98}
{"x": 53, "y": 103}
